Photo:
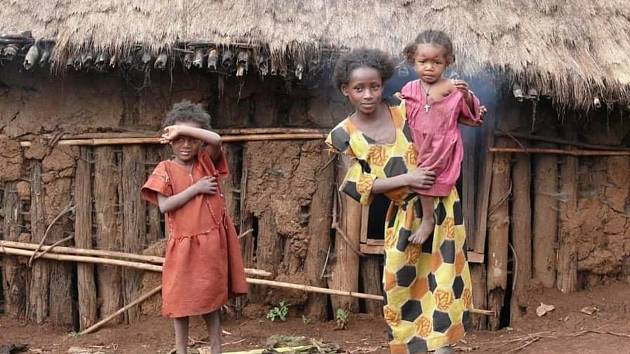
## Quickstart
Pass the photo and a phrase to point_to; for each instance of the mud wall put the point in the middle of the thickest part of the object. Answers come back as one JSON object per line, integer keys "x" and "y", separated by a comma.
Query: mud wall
{"x": 277, "y": 193}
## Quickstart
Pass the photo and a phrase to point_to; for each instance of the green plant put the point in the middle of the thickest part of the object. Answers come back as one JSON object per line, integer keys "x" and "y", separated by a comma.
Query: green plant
{"x": 341, "y": 317}
{"x": 306, "y": 320}
{"x": 278, "y": 312}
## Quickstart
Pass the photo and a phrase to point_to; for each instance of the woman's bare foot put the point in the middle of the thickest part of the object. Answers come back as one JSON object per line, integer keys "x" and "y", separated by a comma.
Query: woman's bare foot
{"x": 423, "y": 233}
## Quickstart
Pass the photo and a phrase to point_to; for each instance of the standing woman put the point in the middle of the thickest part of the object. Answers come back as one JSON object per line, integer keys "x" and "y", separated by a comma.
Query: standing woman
{"x": 427, "y": 286}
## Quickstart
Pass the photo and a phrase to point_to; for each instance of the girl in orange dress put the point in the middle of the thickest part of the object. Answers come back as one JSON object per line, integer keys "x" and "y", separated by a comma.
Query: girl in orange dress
{"x": 203, "y": 264}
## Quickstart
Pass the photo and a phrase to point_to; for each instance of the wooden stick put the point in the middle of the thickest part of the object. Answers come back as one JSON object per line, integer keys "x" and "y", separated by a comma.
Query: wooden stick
{"x": 314, "y": 289}
{"x": 106, "y": 254}
{"x": 65, "y": 210}
{"x": 83, "y": 259}
{"x": 151, "y": 134}
{"x": 560, "y": 151}
{"x": 156, "y": 140}
{"x": 100, "y": 323}
{"x": 156, "y": 268}
{"x": 561, "y": 141}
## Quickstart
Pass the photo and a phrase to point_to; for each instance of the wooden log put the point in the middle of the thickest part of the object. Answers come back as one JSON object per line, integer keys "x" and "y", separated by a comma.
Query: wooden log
{"x": 246, "y": 218}
{"x": 108, "y": 255}
{"x": 480, "y": 296}
{"x": 154, "y": 217}
{"x": 371, "y": 277}
{"x": 469, "y": 185}
{"x": 61, "y": 306}
{"x": 498, "y": 234}
{"x": 14, "y": 273}
{"x": 134, "y": 222}
{"x": 229, "y": 185}
{"x": 569, "y": 142}
{"x": 552, "y": 151}
{"x": 151, "y": 133}
{"x": 483, "y": 198}
{"x": 345, "y": 273}
{"x": 545, "y": 226}
{"x": 108, "y": 235}
{"x": 86, "y": 282}
{"x": 567, "y": 238}
{"x": 111, "y": 263}
{"x": 319, "y": 232}
{"x": 156, "y": 140}
{"x": 120, "y": 311}
{"x": 269, "y": 246}
{"x": 521, "y": 234}
{"x": 40, "y": 272}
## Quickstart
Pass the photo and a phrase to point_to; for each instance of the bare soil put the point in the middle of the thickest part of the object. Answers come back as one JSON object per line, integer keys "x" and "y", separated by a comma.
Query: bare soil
{"x": 563, "y": 330}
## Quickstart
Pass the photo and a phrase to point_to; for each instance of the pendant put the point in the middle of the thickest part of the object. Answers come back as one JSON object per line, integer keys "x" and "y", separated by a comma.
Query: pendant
{"x": 427, "y": 107}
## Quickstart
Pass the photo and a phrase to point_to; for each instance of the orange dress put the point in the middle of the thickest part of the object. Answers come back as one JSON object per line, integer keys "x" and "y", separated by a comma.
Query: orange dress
{"x": 203, "y": 265}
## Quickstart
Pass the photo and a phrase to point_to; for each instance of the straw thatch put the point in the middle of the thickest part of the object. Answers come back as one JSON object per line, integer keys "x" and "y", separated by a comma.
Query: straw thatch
{"x": 572, "y": 50}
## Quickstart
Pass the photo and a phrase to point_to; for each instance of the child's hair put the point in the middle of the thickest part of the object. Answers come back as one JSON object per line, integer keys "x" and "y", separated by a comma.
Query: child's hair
{"x": 187, "y": 112}
{"x": 359, "y": 58}
{"x": 430, "y": 37}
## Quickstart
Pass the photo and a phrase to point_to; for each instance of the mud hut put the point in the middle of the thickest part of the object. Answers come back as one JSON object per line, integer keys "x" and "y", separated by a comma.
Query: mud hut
{"x": 84, "y": 86}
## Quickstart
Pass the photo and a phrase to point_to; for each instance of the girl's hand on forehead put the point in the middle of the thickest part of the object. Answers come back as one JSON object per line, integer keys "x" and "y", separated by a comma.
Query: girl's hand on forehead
{"x": 169, "y": 134}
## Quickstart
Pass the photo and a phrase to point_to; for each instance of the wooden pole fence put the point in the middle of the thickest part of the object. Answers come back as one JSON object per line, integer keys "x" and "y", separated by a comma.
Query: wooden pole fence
{"x": 559, "y": 151}
{"x": 156, "y": 268}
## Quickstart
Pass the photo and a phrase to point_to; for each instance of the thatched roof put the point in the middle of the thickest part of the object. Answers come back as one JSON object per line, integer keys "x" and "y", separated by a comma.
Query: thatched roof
{"x": 572, "y": 50}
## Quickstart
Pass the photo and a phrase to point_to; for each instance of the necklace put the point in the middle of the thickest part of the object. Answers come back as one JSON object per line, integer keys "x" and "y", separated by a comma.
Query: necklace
{"x": 427, "y": 106}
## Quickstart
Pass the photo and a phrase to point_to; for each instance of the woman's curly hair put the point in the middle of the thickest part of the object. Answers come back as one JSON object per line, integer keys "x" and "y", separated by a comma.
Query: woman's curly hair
{"x": 362, "y": 58}
{"x": 430, "y": 37}
{"x": 187, "y": 112}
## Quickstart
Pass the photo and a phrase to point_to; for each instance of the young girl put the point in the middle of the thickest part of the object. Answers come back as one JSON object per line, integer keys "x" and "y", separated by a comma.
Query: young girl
{"x": 434, "y": 106}
{"x": 203, "y": 264}
{"x": 427, "y": 287}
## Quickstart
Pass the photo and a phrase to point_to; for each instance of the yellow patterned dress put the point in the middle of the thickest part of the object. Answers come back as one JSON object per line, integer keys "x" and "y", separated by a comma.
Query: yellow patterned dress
{"x": 428, "y": 288}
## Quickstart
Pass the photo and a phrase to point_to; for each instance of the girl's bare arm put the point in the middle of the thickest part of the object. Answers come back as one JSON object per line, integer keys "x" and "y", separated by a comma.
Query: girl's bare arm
{"x": 419, "y": 178}
{"x": 212, "y": 139}
{"x": 207, "y": 185}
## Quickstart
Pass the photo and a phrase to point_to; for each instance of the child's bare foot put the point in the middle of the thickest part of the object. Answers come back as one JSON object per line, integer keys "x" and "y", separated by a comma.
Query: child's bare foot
{"x": 423, "y": 233}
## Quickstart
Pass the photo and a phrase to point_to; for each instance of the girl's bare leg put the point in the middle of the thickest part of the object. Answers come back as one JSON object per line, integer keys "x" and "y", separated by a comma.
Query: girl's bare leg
{"x": 213, "y": 322}
{"x": 181, "y": 334}
{"x": 428, "y": 223}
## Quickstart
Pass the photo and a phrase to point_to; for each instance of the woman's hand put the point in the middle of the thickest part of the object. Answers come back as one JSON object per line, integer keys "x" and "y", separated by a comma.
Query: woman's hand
{"x": 206, "y": 185}
{"x": 420, "y": 178}
{"x": 170, "y": 133}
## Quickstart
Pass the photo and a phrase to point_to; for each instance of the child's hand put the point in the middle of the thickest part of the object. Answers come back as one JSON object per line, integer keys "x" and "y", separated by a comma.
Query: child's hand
{"x": 462, "y": 86}
{"x": 420, "y": 178}
{"x": 206, "y": 185}
{"x": 170, "y": 133}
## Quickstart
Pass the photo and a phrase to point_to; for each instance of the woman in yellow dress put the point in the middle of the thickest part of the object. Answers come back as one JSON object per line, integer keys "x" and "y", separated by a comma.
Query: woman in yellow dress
{"x": 427, "y": 286}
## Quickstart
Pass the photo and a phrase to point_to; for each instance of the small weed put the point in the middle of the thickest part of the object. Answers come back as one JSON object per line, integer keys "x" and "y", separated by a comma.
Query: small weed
{"x": 278, "y": 313}
{"x": 306, "y": 320}
{"x": 341, "y": 317}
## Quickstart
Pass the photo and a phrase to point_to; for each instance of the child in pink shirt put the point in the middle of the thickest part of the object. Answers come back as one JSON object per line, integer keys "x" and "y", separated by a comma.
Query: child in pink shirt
{"x": 434, "y": 107}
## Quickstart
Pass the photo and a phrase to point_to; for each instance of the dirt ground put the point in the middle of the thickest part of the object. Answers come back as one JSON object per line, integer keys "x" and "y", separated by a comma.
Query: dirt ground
{"x": 564, "y": 330}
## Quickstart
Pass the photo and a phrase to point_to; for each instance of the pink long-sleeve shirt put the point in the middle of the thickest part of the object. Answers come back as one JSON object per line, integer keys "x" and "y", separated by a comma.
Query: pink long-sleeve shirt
{"x": 436, "y": 135}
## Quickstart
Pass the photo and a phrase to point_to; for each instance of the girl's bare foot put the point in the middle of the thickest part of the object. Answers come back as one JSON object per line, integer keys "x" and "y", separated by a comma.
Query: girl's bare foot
{"x": 423, "y": 233}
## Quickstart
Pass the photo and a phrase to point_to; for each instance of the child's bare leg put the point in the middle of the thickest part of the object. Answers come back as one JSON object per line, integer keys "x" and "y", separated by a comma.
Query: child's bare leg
{"x": 213, "y": 322}
{"x": 427, "y": 224}
{"x": 181, "y": 334}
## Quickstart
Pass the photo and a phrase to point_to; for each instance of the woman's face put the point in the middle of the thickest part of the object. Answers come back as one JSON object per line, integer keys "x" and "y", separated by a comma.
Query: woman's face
{"x": 364, "y": 90}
